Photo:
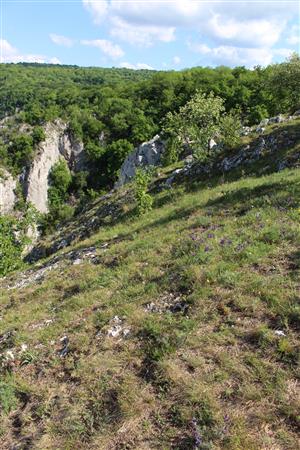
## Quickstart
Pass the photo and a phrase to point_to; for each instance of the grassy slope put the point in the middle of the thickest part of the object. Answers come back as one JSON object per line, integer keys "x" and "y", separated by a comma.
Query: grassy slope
{"x": 226, "y": 253}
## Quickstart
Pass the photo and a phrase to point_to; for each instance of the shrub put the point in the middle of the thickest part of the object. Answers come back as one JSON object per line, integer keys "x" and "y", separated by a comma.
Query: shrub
{"x": 60, "y": 180}
{"x": 143, "y": 199}
{"x": 230, "y": 129}
{"x": 10, "y": 246}
{"x": 21, "y": 151}
{"x": 196, "y": 122}
{"x": 116, "y": 154}
{"x": 94, "y": 151}
{"x": 172, "y": 152}
{"x": 38, "y": 135}
{"x": 8, "y": 399}
{"x": 13, "y": 238}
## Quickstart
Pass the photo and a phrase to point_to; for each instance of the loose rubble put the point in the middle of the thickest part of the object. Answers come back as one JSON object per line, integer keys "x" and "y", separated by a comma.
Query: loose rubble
{"x": 116, "y": 328}
{"x": 168, "y": 303}
{"x": 39, "y": 273}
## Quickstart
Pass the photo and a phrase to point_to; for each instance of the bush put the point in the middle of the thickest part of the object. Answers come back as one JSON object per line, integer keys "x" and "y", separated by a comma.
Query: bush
{"x": 116, "y": 154}
{"x": 13, "y": 238}
{"x": 196, "y": 123}
{"x": 10, "y": 246}
{"x": 60, "y": 180}
{"x": 8, "y": 399}
{"x": 38, "y": 135}
{"x": 21, "y": 151}
{"x": 230, "y": 130}
{"x": 94, "y": 151}
{"x": 257, "y": 114}
{"x": 56, "y": 216}
{"x": 172, "y": 153}
{"x": 143, "y": 199}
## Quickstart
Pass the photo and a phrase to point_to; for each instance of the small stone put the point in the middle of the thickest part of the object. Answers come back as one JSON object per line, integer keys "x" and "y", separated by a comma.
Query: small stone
{"x": 9, "y": 355}
{"x": 24, "y": 347}
{"x": 279, "y": 333}
{"x": 77, "y": 262}
{"x": 260, "y": 129}
{"x": 189, "y": 159}
{"x": 126, "y": 332}
{"x": 114, "y": 331}
{"x": 48, "y": 322}
{"x": 212, "y": 143}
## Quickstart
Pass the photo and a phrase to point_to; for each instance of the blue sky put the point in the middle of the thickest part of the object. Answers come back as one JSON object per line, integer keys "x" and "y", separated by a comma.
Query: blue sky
{"x": 165, "y": 34}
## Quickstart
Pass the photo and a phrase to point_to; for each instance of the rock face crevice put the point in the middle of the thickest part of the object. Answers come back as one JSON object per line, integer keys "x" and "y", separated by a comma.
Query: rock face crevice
{"x": 56, "y": 145}
{"x": 8, "y": 197}
{"x": 147, "y": 154}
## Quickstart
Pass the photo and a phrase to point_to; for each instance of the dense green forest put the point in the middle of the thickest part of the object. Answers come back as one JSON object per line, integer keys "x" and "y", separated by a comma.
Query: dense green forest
{"x": 113, "y": 110}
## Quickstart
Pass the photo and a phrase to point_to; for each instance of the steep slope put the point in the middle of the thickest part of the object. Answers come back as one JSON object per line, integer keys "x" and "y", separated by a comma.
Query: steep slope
{"x": 57, "y": 144}
{"x": 34, "y": 177}
{"x": 175, "y": 330}
{"x": 7, "y": 191}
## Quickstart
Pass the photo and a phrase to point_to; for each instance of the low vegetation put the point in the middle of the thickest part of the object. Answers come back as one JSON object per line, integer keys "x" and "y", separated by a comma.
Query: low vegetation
{"x": 162, "y": 315}
{"x": 181, "y": 332}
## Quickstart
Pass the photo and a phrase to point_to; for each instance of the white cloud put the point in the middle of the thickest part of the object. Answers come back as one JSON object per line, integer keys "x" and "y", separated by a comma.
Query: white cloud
{"x": 98, "y": 10}
{"x": 110, "y": 49}
{"x": 7, "y": 50}
{"x": 237, "y": 56}
{"x": 138, "y": 66}
{"x": 162, "y": 14}
{"x": 55, "y": 60}
{"x": 239, "y": 22}
{"x": 257, "y": 33}
{"x": 10, "y": 54}
{"x": 285, "y": 52}
{"x": 294, "y": 36}
{"x": 229, "y": 26}
{"x": 176, "y": 60}
{"x": 142, "y": 35}
{"x": 61, "y": 40}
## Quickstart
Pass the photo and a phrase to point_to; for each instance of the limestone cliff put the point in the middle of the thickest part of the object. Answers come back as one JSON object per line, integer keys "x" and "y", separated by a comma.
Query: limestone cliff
{"x": 34, "y": 180}
{"x": 7, "y": 192}
{"x": 147, "y": 154}
{"x": 56, "y": 145}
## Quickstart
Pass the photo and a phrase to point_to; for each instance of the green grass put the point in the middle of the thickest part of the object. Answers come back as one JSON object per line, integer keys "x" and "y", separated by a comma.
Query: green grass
{"x": 228, "y": 251}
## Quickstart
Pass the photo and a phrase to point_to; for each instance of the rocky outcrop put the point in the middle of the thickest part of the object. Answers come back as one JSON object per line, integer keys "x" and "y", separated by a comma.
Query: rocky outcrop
{"x": 7, "y": 192}
{"x": 269, "y": 145}
{"x": 57, "y": 144}
{"x": 147, "y": 154}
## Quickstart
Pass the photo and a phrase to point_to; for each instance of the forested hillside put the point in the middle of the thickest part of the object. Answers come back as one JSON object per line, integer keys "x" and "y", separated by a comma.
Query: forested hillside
{"x": 88, "y": 120}
{"x": 162, "y": 313}
{"x": 113, "y": 110}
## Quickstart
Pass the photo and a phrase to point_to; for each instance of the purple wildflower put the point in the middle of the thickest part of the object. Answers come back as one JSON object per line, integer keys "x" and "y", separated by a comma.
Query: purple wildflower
{"x": 196, "y": 435}
{"x": 240, "y": 247}
{"x": 226, "y": 424}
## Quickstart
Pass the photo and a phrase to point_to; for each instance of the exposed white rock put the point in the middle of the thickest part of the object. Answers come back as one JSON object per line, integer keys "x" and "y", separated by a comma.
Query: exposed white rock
{"x": 7, "y": 192}
{"x": 56, "y": 145}
{"x": 279, "y": 333}
{"x": 147, "y": 154}
{"x": 176, "y": 172}
{"x": 189, "y": 159}
{"x": 117, "y": 328}
{"x": 264, "y": 122}
{"x": 260, "y": 129}
{"x": 277, "y": 119}
{"x": 211, "y": 144}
